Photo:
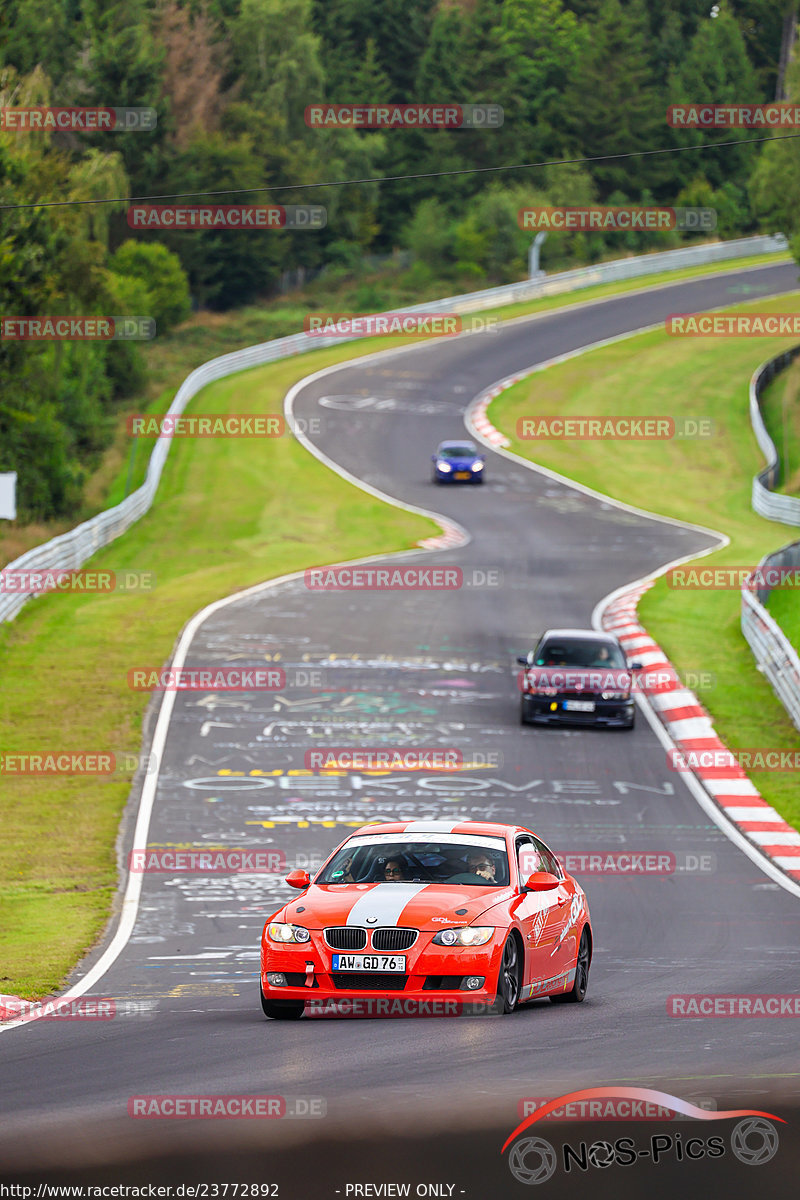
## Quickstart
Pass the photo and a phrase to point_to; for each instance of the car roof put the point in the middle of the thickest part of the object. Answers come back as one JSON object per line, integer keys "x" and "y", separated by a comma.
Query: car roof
{"x": 456, "y": 442}
{"x": 594, "y": 635}
{"x": 442, "y": 828}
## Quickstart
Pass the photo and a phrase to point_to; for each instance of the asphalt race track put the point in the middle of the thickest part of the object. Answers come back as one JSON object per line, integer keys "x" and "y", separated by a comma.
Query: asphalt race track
{"x": 432, "y": 669}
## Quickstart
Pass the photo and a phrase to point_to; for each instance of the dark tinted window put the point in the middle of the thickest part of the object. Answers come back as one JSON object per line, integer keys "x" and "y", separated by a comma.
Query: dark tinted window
{"x": 578, "y": 652}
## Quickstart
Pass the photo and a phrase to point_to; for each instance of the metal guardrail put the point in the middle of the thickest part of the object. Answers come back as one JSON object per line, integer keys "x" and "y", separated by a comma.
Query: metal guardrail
{"x": 774, "y": 653}
{"x": 71, "y": 550}
{"x": 775, "y": 656}
{"x": 765, "y": 501}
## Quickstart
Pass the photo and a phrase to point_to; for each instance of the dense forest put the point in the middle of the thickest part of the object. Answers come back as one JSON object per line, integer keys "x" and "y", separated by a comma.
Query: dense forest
{"x": 230, "y": 81}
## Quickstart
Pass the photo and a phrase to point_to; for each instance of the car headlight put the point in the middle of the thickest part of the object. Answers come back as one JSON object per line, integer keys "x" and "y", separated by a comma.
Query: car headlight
{"x": 279, "y": 932}
{"x": 443, "y": 466}
{"x": 477, "y": 466}
{"x": 615, "y": 695}
{"x": 545, "y": 691}
{"x": 467, "y": 935}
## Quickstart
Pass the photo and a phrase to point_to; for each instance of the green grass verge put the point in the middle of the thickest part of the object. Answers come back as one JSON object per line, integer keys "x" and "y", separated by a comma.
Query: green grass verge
{"x": 784, "y": 607}
{"x": 705, "y": 480}
{"x": 228, "y": 514}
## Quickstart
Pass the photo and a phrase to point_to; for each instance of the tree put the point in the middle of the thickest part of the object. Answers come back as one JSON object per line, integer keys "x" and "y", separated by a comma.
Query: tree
{"x": 612, "y": 105}
{"x": 162, "y": 275}
{"x": 775, "y": 182}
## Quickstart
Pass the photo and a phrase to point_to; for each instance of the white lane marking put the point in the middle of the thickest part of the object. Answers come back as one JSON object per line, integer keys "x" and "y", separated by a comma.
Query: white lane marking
{"x": 385, "y": 901}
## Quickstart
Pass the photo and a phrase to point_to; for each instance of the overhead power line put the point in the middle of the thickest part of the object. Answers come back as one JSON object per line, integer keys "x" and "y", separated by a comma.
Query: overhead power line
{"x": 298, "y": 187}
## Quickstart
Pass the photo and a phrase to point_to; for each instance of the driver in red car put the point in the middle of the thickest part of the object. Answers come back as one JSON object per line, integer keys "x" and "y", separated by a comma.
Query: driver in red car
{"x": 481, "y": 864}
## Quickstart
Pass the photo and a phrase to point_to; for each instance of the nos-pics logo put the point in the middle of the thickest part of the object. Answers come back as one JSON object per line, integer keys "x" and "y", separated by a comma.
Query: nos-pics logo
{"x": 533, "y": 1160}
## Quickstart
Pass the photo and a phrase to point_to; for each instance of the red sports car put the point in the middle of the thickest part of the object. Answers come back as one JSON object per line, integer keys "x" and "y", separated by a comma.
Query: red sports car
{"x": 465, "y": 912}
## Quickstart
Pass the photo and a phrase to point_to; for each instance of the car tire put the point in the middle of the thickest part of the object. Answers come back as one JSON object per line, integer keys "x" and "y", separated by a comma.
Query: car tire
{"x": 577, "y": 992}
{"x": 281, "y": 1010}
{"x": 631, "y": 724}
{"x": 509, "y": 981}
{"x": 477, "y": 479}
{"x": 524, "y": 711}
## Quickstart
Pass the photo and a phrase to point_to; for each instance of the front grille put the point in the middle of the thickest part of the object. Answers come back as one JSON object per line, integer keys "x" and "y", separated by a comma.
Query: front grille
{"x": 392, "y": 940}
{"x": 348, "y": 981}
{"x": 346, "y": 937}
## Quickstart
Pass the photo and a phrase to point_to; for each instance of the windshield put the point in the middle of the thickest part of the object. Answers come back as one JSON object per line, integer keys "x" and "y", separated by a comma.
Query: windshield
{"x": 579, "y": 652}
{"x": 480, "y": 863}
{"x": 464, "y": 451}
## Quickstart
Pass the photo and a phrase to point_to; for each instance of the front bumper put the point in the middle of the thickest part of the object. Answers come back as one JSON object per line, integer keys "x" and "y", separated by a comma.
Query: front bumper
{"x": 550, "y": 710}
{"x": 433, "y": 974}
{"x": 462, "y": 475}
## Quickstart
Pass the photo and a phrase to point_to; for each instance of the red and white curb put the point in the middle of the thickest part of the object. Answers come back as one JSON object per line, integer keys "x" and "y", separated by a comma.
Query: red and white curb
{"x": 680, "y": 712}
{"x": 479, "y": 419}
{"x": 691, "y": 728}
{"x": 452, "y": 536}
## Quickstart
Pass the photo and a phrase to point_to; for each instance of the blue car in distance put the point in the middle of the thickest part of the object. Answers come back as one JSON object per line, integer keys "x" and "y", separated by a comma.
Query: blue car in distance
{"x": 457, "y": 462}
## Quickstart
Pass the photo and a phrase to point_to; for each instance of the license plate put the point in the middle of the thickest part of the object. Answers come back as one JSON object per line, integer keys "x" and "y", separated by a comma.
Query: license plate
{"x": 461, "y": 475}
{"x": 369, "y": 962}
{"x": 579, "y": 705}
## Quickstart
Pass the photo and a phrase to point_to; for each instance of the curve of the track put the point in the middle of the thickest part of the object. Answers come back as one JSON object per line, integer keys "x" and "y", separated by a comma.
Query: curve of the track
{"x": 428, "y": 668}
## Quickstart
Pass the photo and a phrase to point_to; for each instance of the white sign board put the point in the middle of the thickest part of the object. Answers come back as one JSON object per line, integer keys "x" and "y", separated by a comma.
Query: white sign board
{"x": 8, "y": 496}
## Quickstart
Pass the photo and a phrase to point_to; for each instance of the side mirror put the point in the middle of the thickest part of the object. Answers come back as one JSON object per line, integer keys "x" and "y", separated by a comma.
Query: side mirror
{"x": 541, "y": 881}
{"x": 298, "y": 879}
{"x": 636, "y": 666}
{"x": 525, "y": 661}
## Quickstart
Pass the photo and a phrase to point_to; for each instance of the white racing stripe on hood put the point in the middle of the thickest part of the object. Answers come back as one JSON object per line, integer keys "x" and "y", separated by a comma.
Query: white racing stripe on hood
{"x": 385, "y": 901}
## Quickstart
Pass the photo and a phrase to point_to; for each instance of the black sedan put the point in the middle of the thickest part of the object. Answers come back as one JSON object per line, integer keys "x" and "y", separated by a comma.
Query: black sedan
{"x": 577, "y": 676}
